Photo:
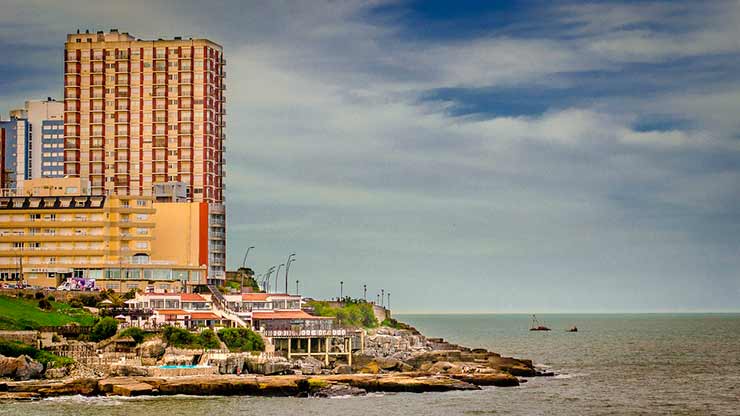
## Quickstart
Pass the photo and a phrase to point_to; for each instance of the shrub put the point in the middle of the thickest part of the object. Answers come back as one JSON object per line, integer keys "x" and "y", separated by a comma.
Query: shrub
{"x": 134, "y": 332}
{"x": 104, "y": 329}
{"x": 39, "y": 295}
{"x": 28, "y": 296}
{"x": 208, "y": 339}
{"x": 75, "y": 303}
{"x": 241, "y": 339}
{"x": 353, "y": 313}
{"x": 45, "y": 304}
{"x": 89, "y": 300}
{"x": 182, "y": 338}
{"x": 51, "y": 298}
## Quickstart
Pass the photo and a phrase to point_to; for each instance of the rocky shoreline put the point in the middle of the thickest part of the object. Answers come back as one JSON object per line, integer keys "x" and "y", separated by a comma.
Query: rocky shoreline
{"x": 393, "y": 360}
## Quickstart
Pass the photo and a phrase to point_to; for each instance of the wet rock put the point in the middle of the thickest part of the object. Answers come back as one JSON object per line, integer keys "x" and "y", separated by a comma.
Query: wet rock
{"x": 308, "y": 366}
{"x": 339, "y": 390}
{"x": 125, "y": 370}
{"x": 484, "y": 379}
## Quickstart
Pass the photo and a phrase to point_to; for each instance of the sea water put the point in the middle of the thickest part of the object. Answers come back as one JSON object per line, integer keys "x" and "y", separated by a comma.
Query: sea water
{"x": 652, "y": 364}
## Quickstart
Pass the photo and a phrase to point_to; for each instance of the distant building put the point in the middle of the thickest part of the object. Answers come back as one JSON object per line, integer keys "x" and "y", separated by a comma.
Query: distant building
{"x": 46, "y": 123}
{"x": 16, "y": 148}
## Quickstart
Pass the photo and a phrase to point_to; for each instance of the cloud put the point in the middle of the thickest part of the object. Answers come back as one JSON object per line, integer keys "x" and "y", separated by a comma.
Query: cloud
{"x": 335, "y": 152}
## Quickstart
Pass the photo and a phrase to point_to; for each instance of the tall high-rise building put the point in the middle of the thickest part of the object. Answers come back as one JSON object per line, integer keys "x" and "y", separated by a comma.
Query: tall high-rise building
{"x": 140, "y": 112}
{"x": 146, "y": 118}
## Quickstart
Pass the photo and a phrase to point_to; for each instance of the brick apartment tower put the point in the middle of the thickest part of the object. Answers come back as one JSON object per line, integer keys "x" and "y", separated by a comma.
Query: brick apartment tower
{"x": 143, "y": 112}
{"x": 143, "y": 117}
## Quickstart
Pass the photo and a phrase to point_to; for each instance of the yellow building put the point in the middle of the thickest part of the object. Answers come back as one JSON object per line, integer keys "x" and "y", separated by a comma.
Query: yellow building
{"x": 56, "y": 234}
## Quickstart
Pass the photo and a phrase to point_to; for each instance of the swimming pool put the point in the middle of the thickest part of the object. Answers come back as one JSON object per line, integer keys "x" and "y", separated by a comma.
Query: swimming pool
{"x": 183, "y": 366}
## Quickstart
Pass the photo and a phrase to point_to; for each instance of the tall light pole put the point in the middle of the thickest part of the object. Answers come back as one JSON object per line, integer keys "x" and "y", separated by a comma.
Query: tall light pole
{"x": 377, "y": 302}
{"x": 341, "y": 290}
{"x": 382, "y": 296}
{"x": 244, "y": 262}
{"x": 267, "y": 278}
{"x": 389, "y": 300}
{"x": 364, "y": 292}
{"x": 244, "y": 265}
{"x": 277, "y": 274}
{"x": 296, "y": 287}
{"x": 291, "y": 259}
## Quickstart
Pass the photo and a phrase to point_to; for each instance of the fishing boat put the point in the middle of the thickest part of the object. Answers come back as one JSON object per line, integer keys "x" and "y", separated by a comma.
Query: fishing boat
{"x": 536, "y": 326}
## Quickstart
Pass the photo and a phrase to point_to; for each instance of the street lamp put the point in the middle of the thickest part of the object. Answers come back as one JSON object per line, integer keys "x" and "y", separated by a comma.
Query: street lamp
{"x": 291, "y": 258}
{"x": 277, "y": 274}
{"x": 296, "y": 287}
{"x": 364, "y": 292}
{"x": 389, "y": 300}
{"x": 267, "y": 279}
{"x": 382, "y": 296}
{"x": 341, "y": 290}
{"x": 244, "y": 263}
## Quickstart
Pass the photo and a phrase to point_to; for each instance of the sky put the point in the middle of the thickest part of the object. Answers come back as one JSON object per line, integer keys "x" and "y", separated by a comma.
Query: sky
{"x": 467, "y": 156}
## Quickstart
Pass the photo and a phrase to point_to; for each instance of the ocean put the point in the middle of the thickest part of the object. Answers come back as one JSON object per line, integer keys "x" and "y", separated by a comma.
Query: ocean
{"x": 626, "y": 364}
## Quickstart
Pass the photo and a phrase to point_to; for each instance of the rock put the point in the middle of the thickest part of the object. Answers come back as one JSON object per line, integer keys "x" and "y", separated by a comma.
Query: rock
{"x": 125, "y": 370}
{"x": 483, "y": 379}
{"x": 339, "y": 390}
{"x": 371, "y": 368}
{"x": 20, "y": 368}
{"x": 52, "y": 373}
{"x": 26, "y": 396}
{"x": 268, "y": 367}
{"x": 154, "y": 348}
{"x": 308, "y": 366}
{"x": 132, "y": 389}
{"x": 444, "y": 367}
{"x": 342, "y": 369}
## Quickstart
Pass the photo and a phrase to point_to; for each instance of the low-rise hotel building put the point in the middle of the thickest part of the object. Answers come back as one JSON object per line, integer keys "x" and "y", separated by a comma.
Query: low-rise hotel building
{"x": 56, "y": 232}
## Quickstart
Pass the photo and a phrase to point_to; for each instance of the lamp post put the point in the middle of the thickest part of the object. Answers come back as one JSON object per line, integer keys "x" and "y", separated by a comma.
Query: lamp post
{"x": 291, "y": 259}
{"x": 244, "y": 264}
{"x": 364, "y": 292}
{"x": 382, "y": 296}
{"x": 296, "y": 287}
{"x": 341, "y": 290}
{"x": 267, "y": 278}
{"x": 277, "y": 274}
{"x": 389, "y": 300}
{"x": 377, "y": 302}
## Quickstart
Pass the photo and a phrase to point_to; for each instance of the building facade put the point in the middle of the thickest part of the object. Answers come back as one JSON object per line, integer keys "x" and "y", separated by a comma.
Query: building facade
{"x": 46, "y": 126}
{"x": 138, "y": 113}
{"x": 57, "y": 232}
{"x": 192, "y": 233}
{"x": 16, "y": 148}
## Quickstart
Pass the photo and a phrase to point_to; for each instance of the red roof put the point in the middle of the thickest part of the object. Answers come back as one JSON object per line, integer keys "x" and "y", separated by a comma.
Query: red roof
{"x": 192, "y": 297}
{"x": 255, "y": 296}
{"x": 161, "y": 294}
{"x": 204, "y": 315}
{"x": 171, "y": 312}
{"x": 286, "y": 315}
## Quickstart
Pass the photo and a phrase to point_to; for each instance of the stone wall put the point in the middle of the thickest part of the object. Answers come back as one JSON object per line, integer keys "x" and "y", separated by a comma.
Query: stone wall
{"x": 26, "y": 337}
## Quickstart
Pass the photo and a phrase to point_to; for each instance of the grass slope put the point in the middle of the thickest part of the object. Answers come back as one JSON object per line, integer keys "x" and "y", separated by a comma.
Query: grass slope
{"x": 20, "y": 314}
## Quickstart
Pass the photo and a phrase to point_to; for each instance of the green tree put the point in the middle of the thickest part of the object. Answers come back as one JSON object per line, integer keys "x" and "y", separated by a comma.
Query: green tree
{"x": 241, "y": 339}
{"x": 104, "y": 329}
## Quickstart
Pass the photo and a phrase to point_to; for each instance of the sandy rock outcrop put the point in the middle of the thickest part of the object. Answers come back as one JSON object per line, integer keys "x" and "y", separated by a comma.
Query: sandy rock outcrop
{"x": 20, "y": 368}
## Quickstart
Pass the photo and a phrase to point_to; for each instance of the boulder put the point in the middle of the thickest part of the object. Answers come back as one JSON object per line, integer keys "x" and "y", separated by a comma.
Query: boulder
{"x": 52, "y": 373}
{"x": 371, "y": 368}
{"x": 445, "y": 367}
{"x": 153, "y": 348}
{"x": 20, "y": 368}
{"x": 342, "y": 369}
{"x": 124, "y": 370}
{"x": 308, "y": 366}
{"x": 339, "y": 390}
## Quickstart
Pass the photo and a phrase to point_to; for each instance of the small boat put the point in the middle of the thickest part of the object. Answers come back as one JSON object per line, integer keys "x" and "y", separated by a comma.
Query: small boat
{"x": 536, "y": 326}
{"x": 573, "y": 329}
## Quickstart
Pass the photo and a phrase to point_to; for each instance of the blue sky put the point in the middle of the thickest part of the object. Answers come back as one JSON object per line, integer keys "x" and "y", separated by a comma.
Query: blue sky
{"x": 466, "y": 156}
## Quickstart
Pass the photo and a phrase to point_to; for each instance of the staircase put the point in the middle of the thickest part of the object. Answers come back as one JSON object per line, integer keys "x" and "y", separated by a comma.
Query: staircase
{"x": 223, "y": 308}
